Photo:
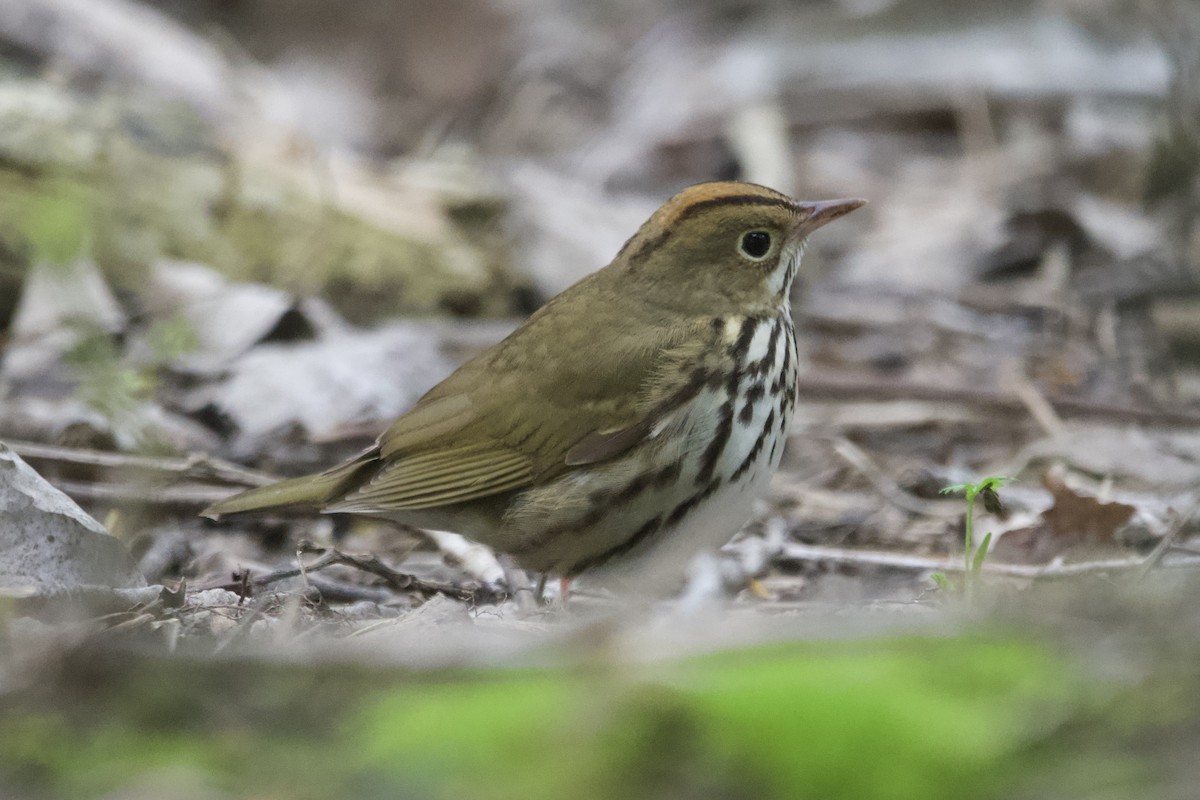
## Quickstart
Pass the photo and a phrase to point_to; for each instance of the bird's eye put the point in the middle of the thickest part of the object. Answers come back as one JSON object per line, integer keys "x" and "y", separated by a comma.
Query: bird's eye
{"x": 755, "y": 244}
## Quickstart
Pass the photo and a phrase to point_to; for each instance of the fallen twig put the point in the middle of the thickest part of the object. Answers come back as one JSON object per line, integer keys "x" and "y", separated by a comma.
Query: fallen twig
{"x": 838, "y": 555}
{"x": 186, "y": 494}
{"x": 856, "y": 457}
{"x": 1034, "y": 400}
{"x": 829, "y": 386}
{"x": 197, "y": 465}
{"x": 1172, "y": 535}
{"x": 399, "y": 581}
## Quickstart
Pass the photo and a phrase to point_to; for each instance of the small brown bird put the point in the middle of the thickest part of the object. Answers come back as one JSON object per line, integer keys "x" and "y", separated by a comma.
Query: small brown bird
{"x": 631, "y": 420}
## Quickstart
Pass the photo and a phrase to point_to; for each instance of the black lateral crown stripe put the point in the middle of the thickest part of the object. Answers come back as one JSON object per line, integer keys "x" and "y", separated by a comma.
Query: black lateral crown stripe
{"x": 710, "y": 202}
{"x": 734, "y": 200}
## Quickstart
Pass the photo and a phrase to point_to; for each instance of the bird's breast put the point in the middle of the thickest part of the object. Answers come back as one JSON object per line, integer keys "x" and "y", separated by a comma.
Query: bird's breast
{"x": 689, "y": 486}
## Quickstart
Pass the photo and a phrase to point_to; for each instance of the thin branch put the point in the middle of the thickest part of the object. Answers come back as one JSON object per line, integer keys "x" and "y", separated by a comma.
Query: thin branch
{"x": 1033, "y": 399}
{"x": 913, "y": 563}
{"x": 836, "y": 387}
{"x": 398, "y": 581}
{"x": 187, "y": 494}
{"x": 197, "y": 466}
{"x": 856, "y": 457}
{"x": 1169, "y": 538}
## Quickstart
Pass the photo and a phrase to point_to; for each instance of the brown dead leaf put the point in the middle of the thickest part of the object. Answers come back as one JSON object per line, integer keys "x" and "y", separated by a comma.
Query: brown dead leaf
{"x": 1076, "y": 522}
{"x": 1081, "y": 518}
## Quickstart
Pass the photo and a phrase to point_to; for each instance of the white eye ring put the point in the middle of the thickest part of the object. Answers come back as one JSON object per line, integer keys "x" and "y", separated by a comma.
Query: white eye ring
{"x": 755, "y": 245}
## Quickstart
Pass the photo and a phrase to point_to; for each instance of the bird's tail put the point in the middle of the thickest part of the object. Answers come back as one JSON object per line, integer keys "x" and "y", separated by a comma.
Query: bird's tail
{"x": 306, "y": 493}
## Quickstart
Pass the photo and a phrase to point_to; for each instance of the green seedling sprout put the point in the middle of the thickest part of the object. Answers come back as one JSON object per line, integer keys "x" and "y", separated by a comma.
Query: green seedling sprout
{"x": 987, "y": 491}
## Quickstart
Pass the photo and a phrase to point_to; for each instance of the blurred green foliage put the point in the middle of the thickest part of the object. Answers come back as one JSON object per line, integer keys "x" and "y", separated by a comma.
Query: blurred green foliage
{"x": 57, "y": 222}
{"x": 50, "y": 220}
{"x": 106, "y": 383}
{"x": 917, "y": 717}
{"x": 134, "y": 181}
{"x": 169, "y": 338}
{"x": 902, "y": 719}
{"x": 114, "y": 385}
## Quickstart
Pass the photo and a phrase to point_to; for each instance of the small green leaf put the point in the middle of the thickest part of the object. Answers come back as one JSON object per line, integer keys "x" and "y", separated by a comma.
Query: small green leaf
{"x": 981, "y": 554}
{"x": 106, "y": 382}
{"x": 171, "y": 338}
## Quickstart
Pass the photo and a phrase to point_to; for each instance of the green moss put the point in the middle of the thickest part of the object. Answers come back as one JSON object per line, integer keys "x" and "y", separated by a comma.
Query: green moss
{"x": 902, "y": 719}
{"x": 917, "y": 717}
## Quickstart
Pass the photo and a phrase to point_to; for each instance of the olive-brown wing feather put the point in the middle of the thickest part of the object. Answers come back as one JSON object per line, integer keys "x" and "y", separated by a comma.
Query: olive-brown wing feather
{"x": 524, "y": 412}
{"x": 438, "y": 478}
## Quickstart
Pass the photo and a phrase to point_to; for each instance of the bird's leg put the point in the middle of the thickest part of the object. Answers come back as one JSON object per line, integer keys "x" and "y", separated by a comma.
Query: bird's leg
{"x": 518, "y": 585}
{"x": 564, "y": 588}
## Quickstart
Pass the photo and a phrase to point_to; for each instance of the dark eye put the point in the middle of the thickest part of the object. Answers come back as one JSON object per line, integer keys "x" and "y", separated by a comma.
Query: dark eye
{"x": 756, "y": 244}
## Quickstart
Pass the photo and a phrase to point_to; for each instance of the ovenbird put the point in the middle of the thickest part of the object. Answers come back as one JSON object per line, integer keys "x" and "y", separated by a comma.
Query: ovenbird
{"x": 632, "y": 419}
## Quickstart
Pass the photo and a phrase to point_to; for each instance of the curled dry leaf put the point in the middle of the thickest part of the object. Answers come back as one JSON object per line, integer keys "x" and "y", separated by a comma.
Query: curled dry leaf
{"x": 1081, "y": 518}
{"x": 1074, "y": 519}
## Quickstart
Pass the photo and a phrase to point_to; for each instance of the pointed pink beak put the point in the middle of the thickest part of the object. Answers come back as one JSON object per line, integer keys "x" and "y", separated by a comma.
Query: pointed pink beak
{"x": 822, "y": 212}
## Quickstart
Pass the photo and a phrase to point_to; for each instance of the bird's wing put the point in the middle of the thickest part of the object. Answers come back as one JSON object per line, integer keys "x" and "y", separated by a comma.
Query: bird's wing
{"x": 437, "y": 478}
{"x": 521, "y": 414}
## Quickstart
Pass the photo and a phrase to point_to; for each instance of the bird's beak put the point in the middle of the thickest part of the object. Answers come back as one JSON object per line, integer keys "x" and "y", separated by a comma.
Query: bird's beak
{"x": 823, "y": 212}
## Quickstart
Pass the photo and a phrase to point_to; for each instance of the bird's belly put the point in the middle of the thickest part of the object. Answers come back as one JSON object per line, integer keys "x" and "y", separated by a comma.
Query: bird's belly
{"x": 750, "y": 458}
{"x": 649, "y": 512}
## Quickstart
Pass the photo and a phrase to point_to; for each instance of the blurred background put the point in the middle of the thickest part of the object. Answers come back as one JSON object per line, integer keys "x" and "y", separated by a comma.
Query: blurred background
{"x": 237, "y": 237}
{"x": 468, "y": 160}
